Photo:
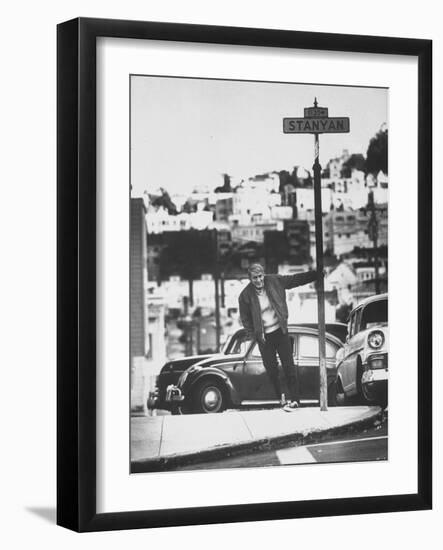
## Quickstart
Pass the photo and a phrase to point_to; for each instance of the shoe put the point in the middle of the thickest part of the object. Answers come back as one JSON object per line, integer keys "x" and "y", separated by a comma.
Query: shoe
{"x": 291, "y": 406}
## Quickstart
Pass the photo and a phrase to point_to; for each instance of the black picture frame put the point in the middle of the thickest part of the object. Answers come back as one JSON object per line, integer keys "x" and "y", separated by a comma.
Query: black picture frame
{"x": 76, "y": 280}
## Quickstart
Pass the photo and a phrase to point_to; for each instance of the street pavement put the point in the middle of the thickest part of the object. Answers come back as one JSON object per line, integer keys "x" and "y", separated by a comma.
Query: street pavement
{"x": 364, "y": 445}
{"x": 164, "y": 442}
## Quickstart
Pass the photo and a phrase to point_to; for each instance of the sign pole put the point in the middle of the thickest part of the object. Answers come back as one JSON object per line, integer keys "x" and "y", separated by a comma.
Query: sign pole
{"x": 317, "y": 121}
{"x": 217, "y": 291}
{"x": 320, "y": 281}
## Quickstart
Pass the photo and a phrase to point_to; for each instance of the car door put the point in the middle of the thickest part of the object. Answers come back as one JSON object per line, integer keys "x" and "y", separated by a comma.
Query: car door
{"x": 308, "y": 364}
{"x": 255, "y": 385}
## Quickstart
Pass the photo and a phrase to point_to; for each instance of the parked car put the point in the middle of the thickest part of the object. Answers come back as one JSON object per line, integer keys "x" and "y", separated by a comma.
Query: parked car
{"x": 237, "y": 377}
{"x": 362, "y": 363}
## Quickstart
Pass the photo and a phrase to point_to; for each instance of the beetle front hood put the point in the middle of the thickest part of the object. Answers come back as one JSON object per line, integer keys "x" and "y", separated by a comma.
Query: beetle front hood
{"x": 182, "y": 363}
{"x": 219, "y": 359}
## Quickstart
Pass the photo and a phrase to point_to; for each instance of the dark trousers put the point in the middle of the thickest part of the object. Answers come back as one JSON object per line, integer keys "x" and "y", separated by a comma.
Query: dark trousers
{"x": 278, "y": 342}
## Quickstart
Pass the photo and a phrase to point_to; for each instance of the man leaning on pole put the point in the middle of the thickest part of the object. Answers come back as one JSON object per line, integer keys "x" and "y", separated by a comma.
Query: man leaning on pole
{"x": 264, "y": 315}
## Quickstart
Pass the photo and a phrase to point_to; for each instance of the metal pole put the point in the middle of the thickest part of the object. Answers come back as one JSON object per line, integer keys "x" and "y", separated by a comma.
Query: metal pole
{"x": 198, "y": 325}
{"x": 222, "y": 284}
{"x": 320, "y": 281}
{"x": 374, "y": 237}
{"x": 217, "y": 293}
{"x": 191, "y": 338}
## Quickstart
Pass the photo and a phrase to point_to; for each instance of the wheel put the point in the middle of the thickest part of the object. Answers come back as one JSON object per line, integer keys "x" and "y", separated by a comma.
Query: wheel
{"x": 340, "y": 396}
{"x": 362, "y": 395}
{"x": 209, "y": 397}
{"x": 332, "y": 394}
{"x": 375, "y": 397}
{"x": 368, "y": 396}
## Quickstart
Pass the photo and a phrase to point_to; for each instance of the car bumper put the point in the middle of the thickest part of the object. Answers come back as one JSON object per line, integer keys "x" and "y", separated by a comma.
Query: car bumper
{"x": 374, "y": 377}
{"x": 173, "y": 396}
{"x": 375, "y": 381}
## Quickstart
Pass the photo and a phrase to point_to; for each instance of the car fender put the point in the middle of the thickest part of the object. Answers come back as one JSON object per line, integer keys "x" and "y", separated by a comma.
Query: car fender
{"x": 340, "y": 380}
{"x": 350, "y": 364}
{"x": 213, "y": 372}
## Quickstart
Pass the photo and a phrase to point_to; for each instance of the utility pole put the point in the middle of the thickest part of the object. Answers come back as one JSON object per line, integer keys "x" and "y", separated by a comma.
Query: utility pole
{"x": 222, "y": 285}
{"x": 373, "y": 235}
{"x": 198, "y": 327}
{"x": 217, "y": 292}
{"x": 320, "y": 281}
{"x": 317, "y": 121}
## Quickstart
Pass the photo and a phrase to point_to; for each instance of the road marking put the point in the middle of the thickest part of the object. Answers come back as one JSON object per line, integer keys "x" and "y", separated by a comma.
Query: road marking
{"x": 302, "y": 455}
{"x": 297, "y": 455}
{"x": 344, "y": 442}
{"x": 250, "y": 403}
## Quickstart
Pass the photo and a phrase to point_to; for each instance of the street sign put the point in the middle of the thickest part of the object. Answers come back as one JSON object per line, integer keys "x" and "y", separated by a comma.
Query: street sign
{"x": 326, "y": 125}
{"x": 316, "y": 112}
{"x": 316, "y": 121}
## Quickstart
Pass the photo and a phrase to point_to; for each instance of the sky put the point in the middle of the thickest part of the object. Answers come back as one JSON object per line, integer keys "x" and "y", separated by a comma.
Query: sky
{"x": 186, "y": 133}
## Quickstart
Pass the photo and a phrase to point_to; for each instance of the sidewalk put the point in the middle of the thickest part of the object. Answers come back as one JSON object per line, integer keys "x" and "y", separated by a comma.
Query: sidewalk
{"x": 160, "y": 442}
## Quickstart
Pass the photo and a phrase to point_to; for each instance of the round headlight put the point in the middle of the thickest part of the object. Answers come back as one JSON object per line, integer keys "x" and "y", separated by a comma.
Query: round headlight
{"x": 376, "y": 339}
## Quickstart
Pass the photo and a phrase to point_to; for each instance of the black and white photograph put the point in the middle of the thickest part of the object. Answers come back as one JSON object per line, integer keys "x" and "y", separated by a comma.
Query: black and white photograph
{"x": 258, "y": 273}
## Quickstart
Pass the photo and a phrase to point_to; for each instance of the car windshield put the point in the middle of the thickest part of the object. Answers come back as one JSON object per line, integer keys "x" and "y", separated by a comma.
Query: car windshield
{"x": 374, "y": 314}
{"x": 238, "y": 344}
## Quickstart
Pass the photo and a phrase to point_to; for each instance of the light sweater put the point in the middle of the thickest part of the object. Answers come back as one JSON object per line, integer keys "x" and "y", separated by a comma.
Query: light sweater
{"x": 268, "y": 315}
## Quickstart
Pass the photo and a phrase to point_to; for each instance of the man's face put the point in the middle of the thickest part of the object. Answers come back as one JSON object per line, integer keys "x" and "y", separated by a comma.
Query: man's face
{"x": 257, "y": 278}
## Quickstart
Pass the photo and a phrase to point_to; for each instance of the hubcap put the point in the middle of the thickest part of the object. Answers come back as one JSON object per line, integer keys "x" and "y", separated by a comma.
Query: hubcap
{"x": 212, "y": 399}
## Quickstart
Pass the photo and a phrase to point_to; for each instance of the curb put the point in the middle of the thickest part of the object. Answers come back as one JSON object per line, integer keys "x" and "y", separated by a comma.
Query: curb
{"x": 171, "y": 462}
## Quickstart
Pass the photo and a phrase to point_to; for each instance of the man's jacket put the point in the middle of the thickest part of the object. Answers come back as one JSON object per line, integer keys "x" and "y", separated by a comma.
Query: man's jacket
{"x": 275, "y": 287}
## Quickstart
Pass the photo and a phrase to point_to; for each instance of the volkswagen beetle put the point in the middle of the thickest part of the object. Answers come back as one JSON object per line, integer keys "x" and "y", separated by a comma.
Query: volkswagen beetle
{"x": 237, "y": 377}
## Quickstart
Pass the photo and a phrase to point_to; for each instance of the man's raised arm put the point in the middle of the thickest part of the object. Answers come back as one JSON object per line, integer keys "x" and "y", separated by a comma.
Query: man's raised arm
{"x": 299, "y": 279}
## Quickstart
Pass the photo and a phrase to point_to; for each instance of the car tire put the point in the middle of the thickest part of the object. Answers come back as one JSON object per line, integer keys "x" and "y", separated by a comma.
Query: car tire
{"x": 341, "y": 398}
{"x": 368, "y": 397}
{"x": 375, "y": 397}
{"x": 332, "y": 394}
{"x": 209, "y": 397}
{"x": 361, "y": 397}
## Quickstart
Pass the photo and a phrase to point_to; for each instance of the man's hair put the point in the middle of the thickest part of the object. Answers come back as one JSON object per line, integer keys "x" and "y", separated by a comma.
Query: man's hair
{"x": 253, "y": 268}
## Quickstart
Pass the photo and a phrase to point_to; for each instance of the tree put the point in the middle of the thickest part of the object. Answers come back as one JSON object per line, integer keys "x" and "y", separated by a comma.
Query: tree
{"x": 377, "y": 154}
{"x": 354, "y": 162}
{"x": 226, "y": 187}
{"x": 342, "y": 313}
{"x": 164, "y": 200}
